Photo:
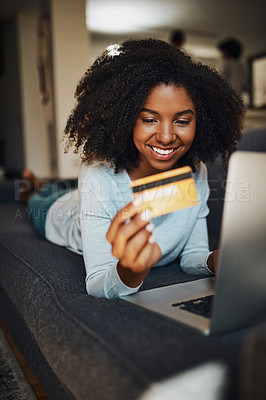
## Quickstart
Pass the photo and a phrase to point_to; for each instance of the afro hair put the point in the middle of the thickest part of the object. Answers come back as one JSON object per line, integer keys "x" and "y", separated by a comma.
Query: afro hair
{"x": 112, "y": 92}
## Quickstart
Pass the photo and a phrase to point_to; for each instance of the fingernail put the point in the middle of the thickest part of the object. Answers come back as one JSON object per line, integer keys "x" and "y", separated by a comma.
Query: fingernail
{"x": 137, "y": 201}
{"x": 151, "y": 240}
{"x": 149, "y": 227}
{"x": 146, "y": 215}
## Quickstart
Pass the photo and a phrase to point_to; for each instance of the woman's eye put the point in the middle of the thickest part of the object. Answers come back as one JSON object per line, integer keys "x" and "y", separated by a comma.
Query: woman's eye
{"x": 182, "y": 122}
{"x": 148, "y": 120}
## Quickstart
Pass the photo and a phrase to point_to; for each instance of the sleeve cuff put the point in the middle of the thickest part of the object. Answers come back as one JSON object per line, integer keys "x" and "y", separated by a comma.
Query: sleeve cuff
{"x": 114, "y": 287}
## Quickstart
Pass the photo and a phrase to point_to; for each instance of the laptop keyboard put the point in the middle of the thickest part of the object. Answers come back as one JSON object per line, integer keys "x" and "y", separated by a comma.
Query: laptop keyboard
{"x": 201, "y": 306}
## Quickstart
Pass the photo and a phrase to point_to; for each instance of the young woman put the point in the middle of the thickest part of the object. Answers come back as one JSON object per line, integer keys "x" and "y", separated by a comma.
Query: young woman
{"x": 143, "y": 107}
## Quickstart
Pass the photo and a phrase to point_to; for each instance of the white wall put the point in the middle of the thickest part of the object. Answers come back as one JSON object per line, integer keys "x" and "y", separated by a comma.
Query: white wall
{"x": 35, "y": 137}
{"x": 70, "y": 40}
{"x": 201, "y": 48}
{"x": 70, "y": 48}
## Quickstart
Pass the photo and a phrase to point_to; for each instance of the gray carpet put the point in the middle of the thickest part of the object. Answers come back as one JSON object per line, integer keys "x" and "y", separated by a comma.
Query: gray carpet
{"x": 13, "y": 384}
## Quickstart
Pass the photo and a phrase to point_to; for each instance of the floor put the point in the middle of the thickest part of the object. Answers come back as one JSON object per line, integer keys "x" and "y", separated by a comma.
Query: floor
{"x": 32, "y": 379}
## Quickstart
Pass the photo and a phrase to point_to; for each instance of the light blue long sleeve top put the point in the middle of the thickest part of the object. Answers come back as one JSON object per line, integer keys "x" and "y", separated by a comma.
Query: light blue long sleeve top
{"x": 79, "y": 220}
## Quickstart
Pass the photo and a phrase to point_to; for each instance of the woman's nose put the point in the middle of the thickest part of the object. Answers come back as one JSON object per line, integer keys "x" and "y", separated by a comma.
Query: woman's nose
{"x": 165, "y": 135}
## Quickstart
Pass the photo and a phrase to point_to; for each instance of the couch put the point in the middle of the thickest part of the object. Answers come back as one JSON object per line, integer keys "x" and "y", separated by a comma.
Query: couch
{"x": 85, "y": 348}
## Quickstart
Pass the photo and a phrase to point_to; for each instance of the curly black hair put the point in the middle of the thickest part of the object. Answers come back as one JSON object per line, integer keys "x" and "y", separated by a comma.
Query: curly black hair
{"x": 113, "y": 90}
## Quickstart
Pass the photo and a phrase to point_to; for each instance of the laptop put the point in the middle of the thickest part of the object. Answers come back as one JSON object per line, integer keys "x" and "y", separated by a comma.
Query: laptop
{"x": 235, "y": 298}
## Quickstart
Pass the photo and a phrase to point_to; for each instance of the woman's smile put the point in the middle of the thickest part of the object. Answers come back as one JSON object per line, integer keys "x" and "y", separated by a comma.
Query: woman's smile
{"x": 164, "y": 131}
{"x": 161, "y": 153}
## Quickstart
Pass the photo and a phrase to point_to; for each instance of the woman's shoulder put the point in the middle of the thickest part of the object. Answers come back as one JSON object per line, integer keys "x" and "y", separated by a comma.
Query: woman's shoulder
{"x": 94, "y": 173}
{"x": 102, "y": 177}
{"x": 201, "y": 180}
{"x": 200, "y": 172}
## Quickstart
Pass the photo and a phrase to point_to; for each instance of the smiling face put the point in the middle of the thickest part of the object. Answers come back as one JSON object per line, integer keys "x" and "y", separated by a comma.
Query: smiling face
{"x": 164, "y": 131}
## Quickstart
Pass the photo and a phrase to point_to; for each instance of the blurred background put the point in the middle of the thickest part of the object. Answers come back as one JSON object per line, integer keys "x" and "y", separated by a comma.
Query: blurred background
{"x": 46, "y": 45}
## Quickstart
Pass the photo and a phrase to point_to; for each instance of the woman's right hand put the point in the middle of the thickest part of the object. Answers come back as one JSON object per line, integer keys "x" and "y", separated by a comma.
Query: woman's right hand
{"x": 130, "y": 235}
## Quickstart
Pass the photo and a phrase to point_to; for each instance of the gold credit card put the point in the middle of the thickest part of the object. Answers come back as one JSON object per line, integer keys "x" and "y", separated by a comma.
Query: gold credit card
{"x": 167, "y": 191}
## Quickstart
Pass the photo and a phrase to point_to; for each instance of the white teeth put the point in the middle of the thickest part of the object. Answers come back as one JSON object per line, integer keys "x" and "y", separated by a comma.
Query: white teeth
{"x": 161, "y": 151}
